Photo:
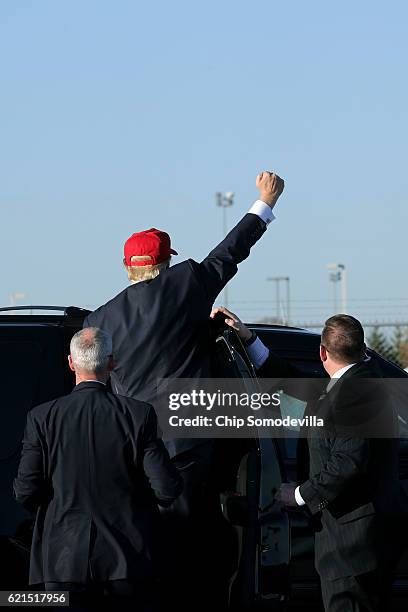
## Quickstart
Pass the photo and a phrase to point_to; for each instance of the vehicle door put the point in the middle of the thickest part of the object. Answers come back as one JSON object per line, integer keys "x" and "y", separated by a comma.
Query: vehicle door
{"x": 247, "y": 499}
{"x": 301, "y": 350}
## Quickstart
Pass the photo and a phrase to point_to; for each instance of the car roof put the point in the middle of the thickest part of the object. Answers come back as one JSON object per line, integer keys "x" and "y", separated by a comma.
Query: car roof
{"x": 74, "y": 316}
{"x": 42, "y": 315}
{"x": 313, "y": 336}
{"x": 280, "y": 328}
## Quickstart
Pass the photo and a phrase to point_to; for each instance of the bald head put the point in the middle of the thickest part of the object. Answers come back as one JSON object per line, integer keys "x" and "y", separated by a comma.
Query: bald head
{"x": 91, "y": 353}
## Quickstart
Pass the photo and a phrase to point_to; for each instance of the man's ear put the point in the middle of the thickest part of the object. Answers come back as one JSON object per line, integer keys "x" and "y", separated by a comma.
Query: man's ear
{"x": 323, "y": 353}
{"x": 70, "y": 363}
{"x": 126, "y": 267}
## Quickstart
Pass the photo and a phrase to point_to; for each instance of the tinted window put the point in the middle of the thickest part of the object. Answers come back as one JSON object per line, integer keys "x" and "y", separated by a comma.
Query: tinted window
{"x": 32, "y": 367}
{"x": 301, "y": 349}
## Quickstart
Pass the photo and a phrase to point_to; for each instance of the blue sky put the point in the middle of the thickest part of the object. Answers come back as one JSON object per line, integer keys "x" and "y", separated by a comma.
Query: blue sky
{"x": 118, "y": 116}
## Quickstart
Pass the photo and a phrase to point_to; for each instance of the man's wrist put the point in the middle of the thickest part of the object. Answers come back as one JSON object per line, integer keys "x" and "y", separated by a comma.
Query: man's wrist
{"x": 270, "y": 201}
{"x": 258, "y": 353}
{"x": 262, "y": 210}
{"x": 249, "y": 338}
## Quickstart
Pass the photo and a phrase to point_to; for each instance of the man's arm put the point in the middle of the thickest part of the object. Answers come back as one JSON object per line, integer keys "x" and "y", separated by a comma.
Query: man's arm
{"x": 348, "y": 460}
{"x": 221, "y": 264}
{"x": 29, "y": 486}
{"x": 164, "y": 478}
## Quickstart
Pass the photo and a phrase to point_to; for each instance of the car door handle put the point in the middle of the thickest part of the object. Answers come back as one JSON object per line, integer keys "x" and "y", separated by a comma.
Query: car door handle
{"x": 235, "y": 508}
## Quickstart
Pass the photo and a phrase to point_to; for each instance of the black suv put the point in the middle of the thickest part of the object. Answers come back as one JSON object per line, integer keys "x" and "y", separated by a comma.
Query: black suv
{"x": 271, "y": 557}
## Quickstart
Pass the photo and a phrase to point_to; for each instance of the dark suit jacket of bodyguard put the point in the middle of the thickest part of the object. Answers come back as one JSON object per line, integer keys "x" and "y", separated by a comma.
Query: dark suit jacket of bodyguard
{"x": 94, "y": 470}
{"x": 353, "y": 482}
{"x": 160, "y": 328}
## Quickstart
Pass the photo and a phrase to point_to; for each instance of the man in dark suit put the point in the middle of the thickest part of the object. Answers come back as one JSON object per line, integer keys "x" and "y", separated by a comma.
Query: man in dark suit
{"x": 93, "y": 469}
{"x": 160, "y": 323}
{"x": 160, "y": 329}
{"x": 353, "y": 483}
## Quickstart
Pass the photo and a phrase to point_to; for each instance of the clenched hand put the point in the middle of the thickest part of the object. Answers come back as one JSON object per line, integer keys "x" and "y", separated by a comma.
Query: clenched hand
{"x": 270, "y": 187}
{"x": 286, "y": 495}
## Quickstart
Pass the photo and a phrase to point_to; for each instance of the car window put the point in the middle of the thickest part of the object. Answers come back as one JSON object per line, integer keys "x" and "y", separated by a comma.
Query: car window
{"x": 31, "y": 372}
{"x": 301, "y": 350}
{"x": 295, "y": 408}
{"x": 291, "y": 407}
{"x": 19, "y": 368}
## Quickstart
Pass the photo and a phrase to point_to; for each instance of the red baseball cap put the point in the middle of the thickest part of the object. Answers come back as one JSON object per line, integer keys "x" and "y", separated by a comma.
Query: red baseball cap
{"x": 152, "y": 243}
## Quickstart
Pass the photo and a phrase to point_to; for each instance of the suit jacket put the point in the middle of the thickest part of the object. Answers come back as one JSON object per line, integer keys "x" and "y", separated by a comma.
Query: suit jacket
{"x": 93, "y": 470}
{"x": 353, "y": 482}
{"x": 160, "y": 328}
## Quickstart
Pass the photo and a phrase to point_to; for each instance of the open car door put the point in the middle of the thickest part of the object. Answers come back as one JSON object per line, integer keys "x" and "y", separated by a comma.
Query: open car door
{"x": 249, "y": 476}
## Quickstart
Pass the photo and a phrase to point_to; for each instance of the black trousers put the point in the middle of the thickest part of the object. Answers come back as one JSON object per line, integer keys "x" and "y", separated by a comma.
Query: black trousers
{"x": 193, "y": 569}
{"x": 364, "y": 593}
{"x": 111, "y": 595}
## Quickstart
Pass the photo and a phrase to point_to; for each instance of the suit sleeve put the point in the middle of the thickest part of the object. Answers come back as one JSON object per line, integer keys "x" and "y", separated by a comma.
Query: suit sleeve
{"x": 359, "y": 412}
{"x": 348, "y": 460}
{"x": 87, "y": 322}
{"x": 222, "y": 263}
{"x": 30, "y": 484}
{"x": 165, "y": 480}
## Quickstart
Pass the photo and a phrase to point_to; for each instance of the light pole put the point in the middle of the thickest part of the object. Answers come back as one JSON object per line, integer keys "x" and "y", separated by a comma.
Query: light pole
{"x": 224, "y": 200}
{"x": 343, "y": 286}
{"x": 278, "y": 279}
{"x": 339, "y": 276}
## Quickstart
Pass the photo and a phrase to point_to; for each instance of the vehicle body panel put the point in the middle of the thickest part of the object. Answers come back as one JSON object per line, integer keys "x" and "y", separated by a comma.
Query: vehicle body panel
{"x": 276, "y": 549}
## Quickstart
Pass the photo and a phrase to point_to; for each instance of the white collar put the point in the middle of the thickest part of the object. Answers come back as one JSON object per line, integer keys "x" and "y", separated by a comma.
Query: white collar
{"x": 342, "y": 371}
{"x": 335, "y": 377}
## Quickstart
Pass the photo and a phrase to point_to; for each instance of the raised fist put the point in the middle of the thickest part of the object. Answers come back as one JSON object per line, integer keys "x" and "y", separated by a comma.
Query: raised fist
{"x": 270, "y": 187}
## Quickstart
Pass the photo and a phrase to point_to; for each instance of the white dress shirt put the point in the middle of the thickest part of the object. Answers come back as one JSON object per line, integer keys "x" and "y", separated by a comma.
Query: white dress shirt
{"x": 262, "y": 210}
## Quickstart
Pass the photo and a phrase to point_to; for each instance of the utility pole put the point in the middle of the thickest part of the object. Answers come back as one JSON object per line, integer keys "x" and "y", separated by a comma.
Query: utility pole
{"x": 283, "y": 316}
{"x": 224, "y": 201}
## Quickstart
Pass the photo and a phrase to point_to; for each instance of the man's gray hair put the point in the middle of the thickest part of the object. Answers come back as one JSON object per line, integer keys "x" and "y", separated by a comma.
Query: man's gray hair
{"x": 90, "y": 349}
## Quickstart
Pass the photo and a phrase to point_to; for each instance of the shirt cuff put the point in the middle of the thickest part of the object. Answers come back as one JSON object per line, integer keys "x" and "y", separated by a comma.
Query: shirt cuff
{"x": 263, "y": 211}
{"x": 299, "y": 499}
{"x": 258, "y": 353}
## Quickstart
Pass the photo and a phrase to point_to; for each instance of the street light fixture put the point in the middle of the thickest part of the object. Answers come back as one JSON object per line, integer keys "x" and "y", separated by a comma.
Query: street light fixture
{"x": 338, "y": 275}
